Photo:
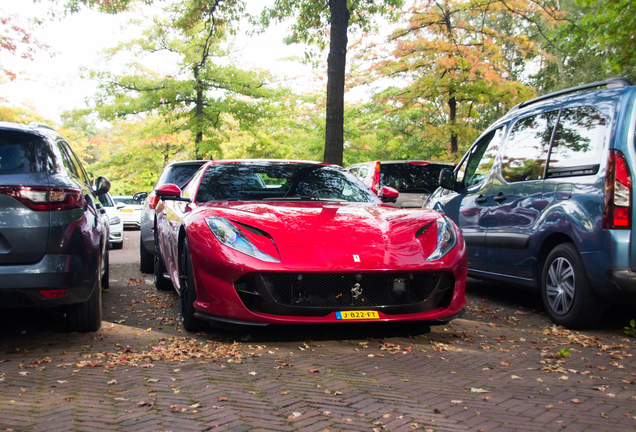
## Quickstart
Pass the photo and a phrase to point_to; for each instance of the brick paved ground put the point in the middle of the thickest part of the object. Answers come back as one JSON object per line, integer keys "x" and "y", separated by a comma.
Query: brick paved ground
{"x": 496, "y": 369}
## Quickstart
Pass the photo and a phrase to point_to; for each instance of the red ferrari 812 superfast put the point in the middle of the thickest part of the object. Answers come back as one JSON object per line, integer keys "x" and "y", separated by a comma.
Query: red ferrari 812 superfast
{"x": 259, "y": 242}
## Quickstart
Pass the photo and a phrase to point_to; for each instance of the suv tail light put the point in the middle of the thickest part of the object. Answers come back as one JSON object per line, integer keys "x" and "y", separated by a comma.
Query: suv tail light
{"x": 153, "y": 200}
{"x": 375, "y": 180}
{"x": 618, "y": 193}
{"x": 39, "y": 198}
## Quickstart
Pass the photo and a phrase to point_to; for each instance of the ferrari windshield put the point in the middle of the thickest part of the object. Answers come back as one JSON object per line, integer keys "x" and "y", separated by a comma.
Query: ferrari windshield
{"x": 281, "y": 181}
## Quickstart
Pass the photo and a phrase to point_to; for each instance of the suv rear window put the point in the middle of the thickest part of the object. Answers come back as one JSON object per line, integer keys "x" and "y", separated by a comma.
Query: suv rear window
{"x": 179, "y": 174}
{"x": 406, "y": 177}
{"x": 24, "y": 153}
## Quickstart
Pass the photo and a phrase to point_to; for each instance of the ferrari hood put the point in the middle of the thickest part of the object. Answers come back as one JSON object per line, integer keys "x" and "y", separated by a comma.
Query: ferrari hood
{"x": 308, "y": 224}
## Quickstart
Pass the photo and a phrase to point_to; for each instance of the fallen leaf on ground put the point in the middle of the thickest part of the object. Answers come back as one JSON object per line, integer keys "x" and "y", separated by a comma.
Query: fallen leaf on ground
{"x": 478, "y": 390}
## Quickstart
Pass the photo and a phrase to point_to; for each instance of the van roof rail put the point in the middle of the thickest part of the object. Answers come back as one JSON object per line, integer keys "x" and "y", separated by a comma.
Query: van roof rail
{"x": 610, "y": 83}
{"x": 35, "y": 125}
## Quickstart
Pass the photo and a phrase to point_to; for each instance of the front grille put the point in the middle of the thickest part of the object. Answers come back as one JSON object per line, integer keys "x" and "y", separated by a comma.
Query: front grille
{"x": 342, "y": 290}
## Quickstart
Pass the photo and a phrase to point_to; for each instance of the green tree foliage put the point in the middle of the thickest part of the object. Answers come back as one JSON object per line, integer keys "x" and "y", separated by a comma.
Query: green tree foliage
{"x": 315, "y": 20}
{"x": 593, "y": 41}
{"x": 294, "y": 131}
{"x": 131, "y": 152}
{"x": 459, "y": 63}
{"x": 205, "y": 90}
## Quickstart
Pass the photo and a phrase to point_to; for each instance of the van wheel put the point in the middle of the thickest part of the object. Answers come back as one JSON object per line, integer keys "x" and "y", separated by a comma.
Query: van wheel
{"x": 567, "y": 296}
{"x": 87, "y": 316}
{"x": 187, "y": 293}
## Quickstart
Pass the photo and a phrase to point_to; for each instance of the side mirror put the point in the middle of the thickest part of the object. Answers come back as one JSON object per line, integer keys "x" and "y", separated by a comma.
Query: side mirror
{"x": 447, "y": 179}
{"x": 140, "y": 196}
{"x": 120, "y": 205}
{"x": 170, "y": 192}
{"x": 102, "y": 186}
{"x": 388, "y": 194}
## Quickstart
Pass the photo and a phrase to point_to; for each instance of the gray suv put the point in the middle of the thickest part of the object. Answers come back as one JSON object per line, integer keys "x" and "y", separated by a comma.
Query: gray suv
{"x": 53, "y": 231}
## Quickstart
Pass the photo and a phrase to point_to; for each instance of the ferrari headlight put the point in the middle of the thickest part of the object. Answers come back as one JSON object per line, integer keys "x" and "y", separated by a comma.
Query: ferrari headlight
{"x": 232, "y": 237}
{"x": 114, "y": 220}
{"x": 446, "y": 239}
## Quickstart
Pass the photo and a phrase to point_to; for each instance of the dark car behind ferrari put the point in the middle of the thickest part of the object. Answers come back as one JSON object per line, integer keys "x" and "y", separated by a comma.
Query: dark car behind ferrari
{"x": 415, "y": 180}
{"x": 176, "y": 173}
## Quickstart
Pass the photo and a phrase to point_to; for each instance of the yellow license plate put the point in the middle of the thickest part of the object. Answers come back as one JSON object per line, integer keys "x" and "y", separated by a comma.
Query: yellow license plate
{"x": 126, "y": 211}
{"x": 357, "y": 315}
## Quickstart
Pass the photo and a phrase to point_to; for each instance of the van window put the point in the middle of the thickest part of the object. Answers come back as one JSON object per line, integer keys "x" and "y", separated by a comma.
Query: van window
{"x": 481, "y": 159}
{"x": 527, "y": 149}
{"x": 578, "y": 141}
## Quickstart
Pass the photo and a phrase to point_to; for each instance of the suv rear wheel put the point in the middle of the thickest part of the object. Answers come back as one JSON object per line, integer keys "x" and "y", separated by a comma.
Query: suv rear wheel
{"x": 567, "y": 296}
{"x": 86, "y": 317}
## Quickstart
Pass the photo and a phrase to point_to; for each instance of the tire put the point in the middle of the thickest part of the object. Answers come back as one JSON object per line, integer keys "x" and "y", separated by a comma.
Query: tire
{"x": 187, "y": 293}
{"x": 86, "y": 317}
{"x": 105, "y": 278}
{"x": 119, "y": 245}
{"x": 146, "y": 262}
{"x": 161, "y": 283}
{"x": 567, "y": 295}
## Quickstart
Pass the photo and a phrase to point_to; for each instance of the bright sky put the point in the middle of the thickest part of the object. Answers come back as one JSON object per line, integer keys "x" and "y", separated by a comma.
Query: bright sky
{"x": 53, "y": 85}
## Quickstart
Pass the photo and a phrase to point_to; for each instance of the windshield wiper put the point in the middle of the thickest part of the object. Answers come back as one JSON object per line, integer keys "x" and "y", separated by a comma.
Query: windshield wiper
{"x": 415, "y": 190}
{"x": 301, "y": 198}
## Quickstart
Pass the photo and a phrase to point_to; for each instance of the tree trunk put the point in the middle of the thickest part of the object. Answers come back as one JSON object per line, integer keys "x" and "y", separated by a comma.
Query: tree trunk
{"x": 336, "y": 62}
{"x": 452, "y": 108}
{"x": 198, "y": 113}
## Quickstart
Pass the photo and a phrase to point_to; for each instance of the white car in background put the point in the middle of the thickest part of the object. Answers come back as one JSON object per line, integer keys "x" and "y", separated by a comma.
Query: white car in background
{"x": 131, "y": 211}
{"x": 116, "y": 236}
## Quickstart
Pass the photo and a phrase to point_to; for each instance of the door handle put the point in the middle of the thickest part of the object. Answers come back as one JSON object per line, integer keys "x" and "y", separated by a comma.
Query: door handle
{"x": 480, "y": 199}
{"x": 499, "y": 197}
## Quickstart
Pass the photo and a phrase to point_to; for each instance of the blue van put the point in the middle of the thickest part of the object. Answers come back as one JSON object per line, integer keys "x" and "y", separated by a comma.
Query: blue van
{"x": 544, "y": 199}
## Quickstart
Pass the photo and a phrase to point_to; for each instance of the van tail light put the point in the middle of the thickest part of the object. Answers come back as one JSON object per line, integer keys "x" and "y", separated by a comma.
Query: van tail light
{"x": 419, "y": 163}
{"x": 375, "y": 180}
{"x": 617, "y": 212}
{"x": 39, "y": 198}
{"x": 153, "y": 200}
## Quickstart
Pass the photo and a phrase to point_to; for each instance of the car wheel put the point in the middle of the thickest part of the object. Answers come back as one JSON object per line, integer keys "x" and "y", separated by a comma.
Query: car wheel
{"x": 161, "y": 283}
{"x": 567, "y": 295}
{"x": 105, "y": 278}
{"x": 119, "y": 245}
{"x": 188, "y": 293}
{"x": 146, "y": 258}
{"x": 87, "y": 316}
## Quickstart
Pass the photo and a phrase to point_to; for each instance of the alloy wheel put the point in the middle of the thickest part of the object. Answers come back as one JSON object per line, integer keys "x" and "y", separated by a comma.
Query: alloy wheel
{"x": 560, "y": 285}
